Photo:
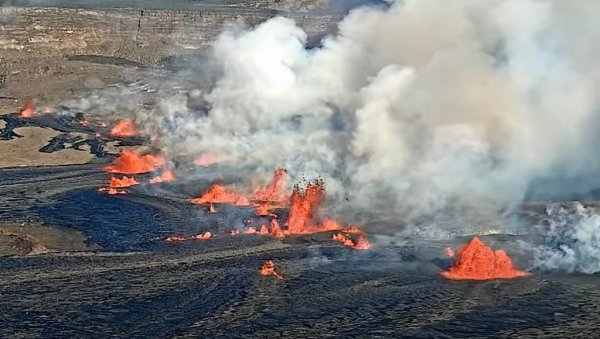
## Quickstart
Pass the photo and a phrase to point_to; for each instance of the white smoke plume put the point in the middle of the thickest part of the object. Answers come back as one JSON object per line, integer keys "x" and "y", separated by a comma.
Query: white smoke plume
{"x": 410, "y": 109}
{"x": 571, "y": 240}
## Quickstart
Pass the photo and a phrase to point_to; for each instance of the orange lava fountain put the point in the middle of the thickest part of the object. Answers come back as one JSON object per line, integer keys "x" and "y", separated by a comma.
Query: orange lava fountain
{"x": 275, "y": 191}
{"x": 129, "y": 162}
{"x": 28, "y": 111}
{"x": 477, "y": 261}
{"x": 304, "y": 207}
{"x": 218, "y": 194}
{"x": 268, "y": 268}
{"x": 167, "y": 176}
{"x": 124, "y": 128}
{"x": 123, "y": 182}
{"x": 272, "y": 195}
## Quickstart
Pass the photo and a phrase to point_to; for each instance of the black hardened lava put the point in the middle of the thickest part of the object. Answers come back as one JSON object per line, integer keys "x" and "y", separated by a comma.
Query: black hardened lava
{"x": 134, "y": 284}
{"x": 73, "y": 126}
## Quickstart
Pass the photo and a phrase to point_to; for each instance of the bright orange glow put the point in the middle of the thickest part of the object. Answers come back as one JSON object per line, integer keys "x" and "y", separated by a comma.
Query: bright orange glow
{"x": 206, "y": 159}
{"x": 275, "y": 191}
{"x": 129, "y": 162}
{"x": 28, "y": 110}
{"x": 360, "y": 244}
{"x": 123, "y": 182}
{"x": 212, "y": 209}
{"x": 204, "y": 236}
{"x": 218, "y": 194}
{"x": 167, "y": 176}
{"x": 175, "y": 239}
{"x": 273, "y": 195}
{"x": 124, "y": 128}
{"x": 250, "y": 230}
{"x": 304, "y": 207}
{"x": 268, "y": 268}
{"x": 477, "y": 261}
{"x": 111, "y": 191}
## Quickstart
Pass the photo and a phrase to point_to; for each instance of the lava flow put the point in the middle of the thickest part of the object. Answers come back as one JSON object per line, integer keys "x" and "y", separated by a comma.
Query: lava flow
{"x": 218, "y": 194}
{"x": 477, "y": 261}
{"x": 268, "y": 268}
{"x": 28, "y": 111}
{"x": 129, "y": 162}
{"x": 124, "y": 128}
{"x": 166, "y": 176}
{"x": 360, "y": 244}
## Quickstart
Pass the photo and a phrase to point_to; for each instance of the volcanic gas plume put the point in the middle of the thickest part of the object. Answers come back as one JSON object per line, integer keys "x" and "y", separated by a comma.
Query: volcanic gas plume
{"x": 206, "y": 159}
{"x": 129, "y": 162}
{"x": 477, "y": 261}
{"x": 462, "y": 108}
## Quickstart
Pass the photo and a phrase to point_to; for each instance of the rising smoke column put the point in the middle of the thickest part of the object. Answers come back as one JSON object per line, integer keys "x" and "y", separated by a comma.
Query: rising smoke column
{"x": 416, "y": 109}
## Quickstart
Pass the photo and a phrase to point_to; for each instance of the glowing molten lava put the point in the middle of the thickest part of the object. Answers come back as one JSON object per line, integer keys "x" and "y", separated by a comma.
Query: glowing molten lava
{"x": 477, "y": 261}
{"x": 275, "y": 191}
{"x": 28, "y": 111}
{"x": 123, "y": 182}
{"x": 360, "y": 244}
{"x": 218, "y": 194}
{"x": 204, "y": 236}
{"x": 124, "y": 128}
{"x": 175, "y": 239}
{"x": 129, "y": 162}
{"x": 268, "y": 268}
{"x": 272, "y": 195}
{"x": 166, "y": 176}
{"x": 304, "y": 206}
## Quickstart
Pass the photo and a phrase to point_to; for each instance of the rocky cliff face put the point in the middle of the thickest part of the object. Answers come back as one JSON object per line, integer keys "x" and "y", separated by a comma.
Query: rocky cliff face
{"x": 139, "y": 35}
{"x": 45, "y": 52}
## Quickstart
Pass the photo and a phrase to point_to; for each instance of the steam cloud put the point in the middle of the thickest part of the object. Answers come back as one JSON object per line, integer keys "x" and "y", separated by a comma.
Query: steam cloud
{"x": 572, "y": 240}
{"x": 416, "y": 108}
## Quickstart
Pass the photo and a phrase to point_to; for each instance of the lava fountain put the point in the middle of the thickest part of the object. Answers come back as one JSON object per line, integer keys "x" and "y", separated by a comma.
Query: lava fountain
{"x": 129, "y": 162}
{"x": 124, "y": 128}
{"x": 477, "y": 261}
{"x": 268, "y": 268}
{"x": 218, "y": 194}
{"x": 28, "y": 111}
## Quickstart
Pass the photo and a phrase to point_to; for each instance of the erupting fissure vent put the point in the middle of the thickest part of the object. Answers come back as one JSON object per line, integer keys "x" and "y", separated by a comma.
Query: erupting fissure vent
{"x": 124, "y": 128}
{"x": 268, "y": 268}
{"x": 129, "y": 162}
{"x": 28, "y": 110}
{"x": 477, "y": 261}
{"x": 218, "y": 194}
